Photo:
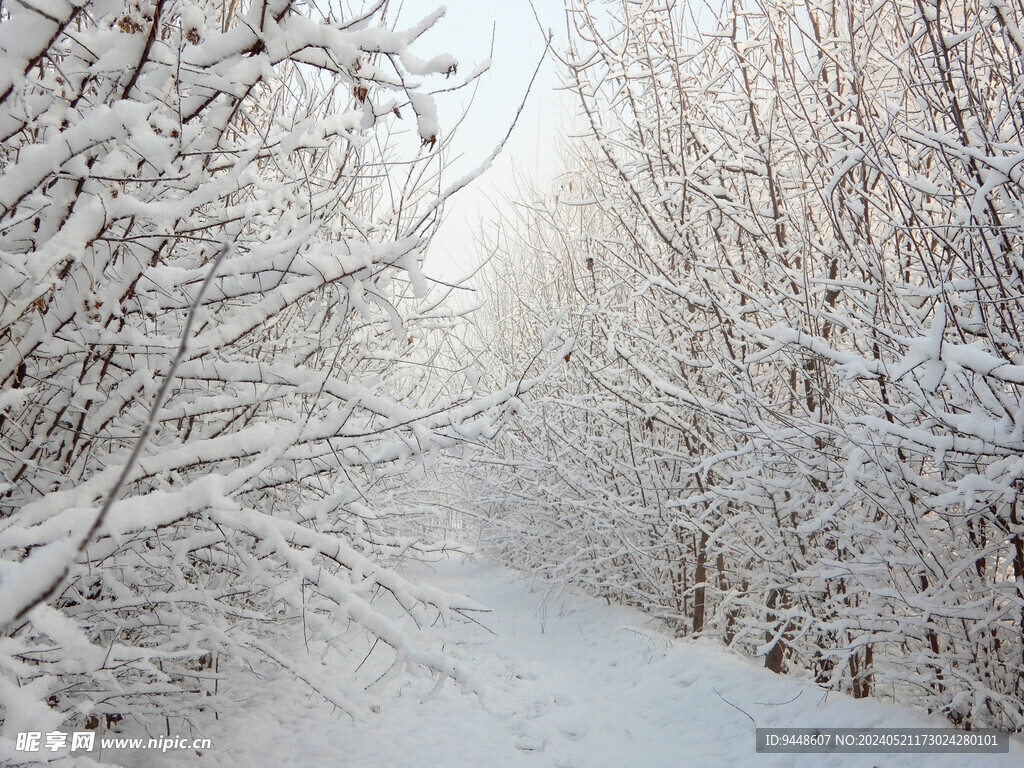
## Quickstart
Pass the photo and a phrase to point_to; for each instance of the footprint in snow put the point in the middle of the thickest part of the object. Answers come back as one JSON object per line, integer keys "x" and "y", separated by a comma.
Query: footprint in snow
{"x": 531, "y": 744}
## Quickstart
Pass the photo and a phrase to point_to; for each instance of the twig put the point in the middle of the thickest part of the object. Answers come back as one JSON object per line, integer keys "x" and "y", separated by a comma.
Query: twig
{"x": 734, "y": 706}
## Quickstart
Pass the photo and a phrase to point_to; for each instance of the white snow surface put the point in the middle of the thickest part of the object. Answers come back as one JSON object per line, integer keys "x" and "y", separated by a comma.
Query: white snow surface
{"x": 574, "y": 683}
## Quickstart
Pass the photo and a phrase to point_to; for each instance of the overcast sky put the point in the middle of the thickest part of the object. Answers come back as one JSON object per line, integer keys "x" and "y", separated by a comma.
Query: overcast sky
{"x": 466, "y": 33}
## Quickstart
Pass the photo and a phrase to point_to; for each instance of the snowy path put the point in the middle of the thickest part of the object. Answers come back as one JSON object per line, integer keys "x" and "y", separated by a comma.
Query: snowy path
{"x": 586, "y": 693}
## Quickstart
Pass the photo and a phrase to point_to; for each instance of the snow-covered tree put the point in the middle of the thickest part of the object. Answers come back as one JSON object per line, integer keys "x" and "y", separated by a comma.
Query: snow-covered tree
{"x": 212, "y": 333}
{"x": 791, "y": 254}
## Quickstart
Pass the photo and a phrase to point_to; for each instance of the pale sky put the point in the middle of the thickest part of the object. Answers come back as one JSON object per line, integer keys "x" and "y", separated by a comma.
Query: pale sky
{"x": 466, "y": 32}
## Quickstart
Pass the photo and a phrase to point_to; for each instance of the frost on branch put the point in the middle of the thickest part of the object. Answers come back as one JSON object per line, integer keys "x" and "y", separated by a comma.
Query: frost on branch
{"x": 138, "y": 139}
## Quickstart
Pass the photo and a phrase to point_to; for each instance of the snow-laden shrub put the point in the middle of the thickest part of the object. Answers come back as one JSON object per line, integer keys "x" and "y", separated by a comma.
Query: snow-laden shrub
{"x": 203, "y": 197}
{"x": 791, "y": 244}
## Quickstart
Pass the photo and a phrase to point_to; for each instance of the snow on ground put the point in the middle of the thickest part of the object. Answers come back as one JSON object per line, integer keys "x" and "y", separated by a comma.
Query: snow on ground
{"x": 576, "y": 684}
